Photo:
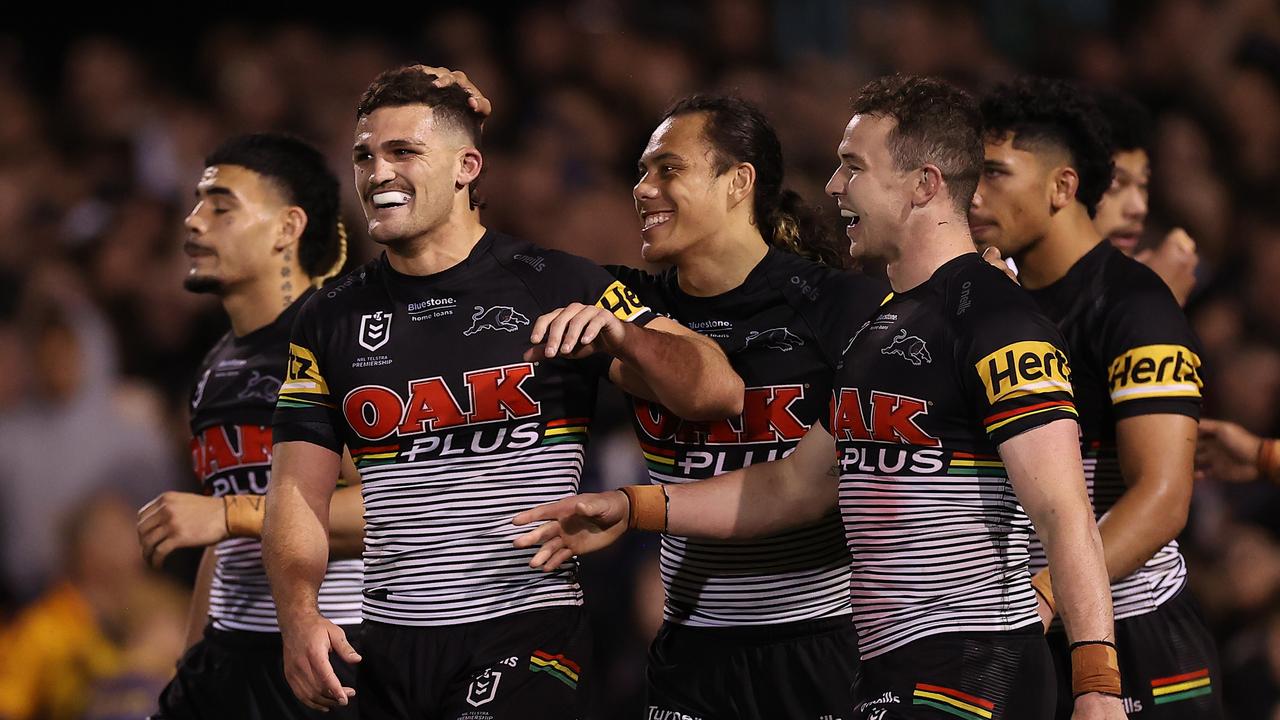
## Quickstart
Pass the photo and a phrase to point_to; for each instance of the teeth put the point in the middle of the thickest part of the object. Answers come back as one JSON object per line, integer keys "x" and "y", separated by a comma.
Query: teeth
{"x": 390, "y": 198}
{"x": 853, "y": 216}
{"x": 655, "y": 219}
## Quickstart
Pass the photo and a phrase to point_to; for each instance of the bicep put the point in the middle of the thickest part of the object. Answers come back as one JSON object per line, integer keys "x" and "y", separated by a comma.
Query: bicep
{"x": 1157, "y": 449}
{"x": 1044, "y": 467}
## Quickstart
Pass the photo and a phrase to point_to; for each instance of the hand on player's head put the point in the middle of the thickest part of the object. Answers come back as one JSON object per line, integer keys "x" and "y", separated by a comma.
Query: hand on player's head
{"x": 446, "y": 77}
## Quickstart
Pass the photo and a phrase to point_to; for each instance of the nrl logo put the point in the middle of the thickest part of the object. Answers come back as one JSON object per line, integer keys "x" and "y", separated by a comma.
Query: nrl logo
{"x": 483, "y": 688}
{"x": 375, "y": 330}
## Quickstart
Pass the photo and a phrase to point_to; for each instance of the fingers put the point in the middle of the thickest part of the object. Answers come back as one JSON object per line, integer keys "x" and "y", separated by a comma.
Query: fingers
{"x": 162, "y": 551}
{"x": 546, "y": 552}
{"x": 332, "y": 693}
{"x": 538, "y": 535}
{"x": 550, "y": 511}
{"x": 446, "y": 77}
{"x": 561, "y": 557}
{"x": 1210, "y": 428}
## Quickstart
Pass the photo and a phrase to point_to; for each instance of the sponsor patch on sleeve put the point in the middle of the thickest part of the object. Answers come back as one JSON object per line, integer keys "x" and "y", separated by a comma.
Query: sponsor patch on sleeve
{"x": 622, "y": 302}
{"x": 1029, "y": 367}
{"x": 303, "y": 383}
{"x": 1155, "y": 371}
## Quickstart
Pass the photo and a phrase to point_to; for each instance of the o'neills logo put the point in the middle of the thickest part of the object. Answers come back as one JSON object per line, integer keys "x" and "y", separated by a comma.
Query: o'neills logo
{"x": 375, "y": 412}
{"x": 1155, "y": 371}
{"x": 892, "y": 418}
{"x": 766, "y": 418}
{"x": 1024, "y": 368}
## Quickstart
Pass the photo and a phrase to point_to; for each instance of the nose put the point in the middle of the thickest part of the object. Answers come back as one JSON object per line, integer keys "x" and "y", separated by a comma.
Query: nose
{"x": 194, "y": 222}
{"x": 644, "y": 190}
{"x": 1136, "y": 207}
{"x": 835, "y": 186}
{"x": 382, "y": 172}
{"x": 976, "y": 203}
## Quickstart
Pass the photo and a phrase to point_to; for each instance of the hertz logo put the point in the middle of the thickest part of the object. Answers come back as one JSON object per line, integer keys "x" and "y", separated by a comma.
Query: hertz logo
{"x": 1155, "y": 371}
{"x": 621, "y": 301}
{"x": 1024, "y": 368}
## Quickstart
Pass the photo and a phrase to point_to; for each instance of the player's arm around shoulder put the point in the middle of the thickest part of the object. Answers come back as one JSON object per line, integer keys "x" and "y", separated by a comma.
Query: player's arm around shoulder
{"x": 754, "y": 501}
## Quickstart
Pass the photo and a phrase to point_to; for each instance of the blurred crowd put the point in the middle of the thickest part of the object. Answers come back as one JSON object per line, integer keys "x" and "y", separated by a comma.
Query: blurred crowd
{"x": 103, "y": 136}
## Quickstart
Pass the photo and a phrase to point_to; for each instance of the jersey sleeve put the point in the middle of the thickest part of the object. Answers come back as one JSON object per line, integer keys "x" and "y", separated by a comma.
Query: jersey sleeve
{"x": 647, "y": 287}
{"x": 1012, "y": 360}
{"x": 306, "y": 411}
{"x": 1150, "y": 353}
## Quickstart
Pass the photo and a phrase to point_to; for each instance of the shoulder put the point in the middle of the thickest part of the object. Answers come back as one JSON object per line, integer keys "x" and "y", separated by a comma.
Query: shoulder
{"x": 1135, "y": 290}
{"x": 345, "y": 290}
{"x": 978, "y": 293}
{"x": 528, "y": 260}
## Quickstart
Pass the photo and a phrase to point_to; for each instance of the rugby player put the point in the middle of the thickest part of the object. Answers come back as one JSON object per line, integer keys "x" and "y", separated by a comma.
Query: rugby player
{"x": 1135, "y": 377}
{"x": 950, "y": 413}
{"x": 264, "y": 231}
{"x": 421, "y": 364}
{"x": 1122, "y": 212}
{"x": 759, "y": 628}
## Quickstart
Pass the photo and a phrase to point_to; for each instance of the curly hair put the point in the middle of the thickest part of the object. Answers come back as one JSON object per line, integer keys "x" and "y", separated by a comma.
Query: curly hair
{"x": 411, "y": 85}
{"x": 301, "y": 173}
{"x": 938, "y": 124}
{"x": 1044, "y": 111}
{"x": 738, "y": 131}
{"x": 1129, "y": 122}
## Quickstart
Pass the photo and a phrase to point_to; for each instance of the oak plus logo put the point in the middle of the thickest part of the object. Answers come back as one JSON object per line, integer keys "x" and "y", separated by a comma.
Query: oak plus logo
{"x": 766, "y": 417}
{"x": 893, "y": 418}
{"x": 375, "y": 330}
{"x": 496, "y": 395}
{"x": 498, "y": 317}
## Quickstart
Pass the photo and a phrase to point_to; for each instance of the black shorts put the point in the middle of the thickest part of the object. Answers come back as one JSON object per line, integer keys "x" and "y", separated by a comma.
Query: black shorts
{"x": 975, "y": 676}
{"x": 1168, "y": 665}
{"x": 232, "y": 674}
{"x": 792, "y": 670}
{"x": 526, "y": 666}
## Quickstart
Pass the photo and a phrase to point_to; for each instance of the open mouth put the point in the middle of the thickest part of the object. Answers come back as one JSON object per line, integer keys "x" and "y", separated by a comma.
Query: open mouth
{"x": 195, "y": 250}
{"x": 652, "y": 220}
{"x": 390, "y": 199}
{"x": 851, "y": 216}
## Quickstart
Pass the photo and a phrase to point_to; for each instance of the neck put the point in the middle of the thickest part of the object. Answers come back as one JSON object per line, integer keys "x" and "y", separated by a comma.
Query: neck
{"x": 440, "y": 248}
{"x": 720, "y": 263}
{"x": 927, "y": 248}
{"x": 1071, "y": 236}
{"x": 259, "y": 302}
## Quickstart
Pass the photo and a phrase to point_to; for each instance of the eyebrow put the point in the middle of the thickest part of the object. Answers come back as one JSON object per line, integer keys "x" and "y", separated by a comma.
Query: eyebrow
{"x": 397, "y": 142}
{"x": 853, "y": 157}
{"x": 215, "y": 190}
{"x": 1001, "y": 164}
{"x": 660, "y": 157}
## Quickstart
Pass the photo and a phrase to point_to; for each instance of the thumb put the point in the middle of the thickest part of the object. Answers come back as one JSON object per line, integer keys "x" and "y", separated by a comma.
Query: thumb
{"x": 991, "y": 254}
{"x": 1209, "y": 428}
{"x": 338, "y": 641}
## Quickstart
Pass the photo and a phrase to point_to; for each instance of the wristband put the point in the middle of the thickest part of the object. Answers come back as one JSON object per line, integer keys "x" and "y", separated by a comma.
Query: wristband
{"x": 1268, "y": 460}
{"x": 648, "y": 509}
{"x": 1043, "y": 586}
{"x": 1094, "y": 668}
{"x": 244, "y": 515}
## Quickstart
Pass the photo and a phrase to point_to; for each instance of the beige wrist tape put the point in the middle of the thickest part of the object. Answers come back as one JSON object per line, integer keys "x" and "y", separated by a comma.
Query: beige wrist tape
{"x": 648, "y": 507}
{"x": 1043, "y": 585}
{"x": 244, "y": 514}
{"x": 1094, "y": 668}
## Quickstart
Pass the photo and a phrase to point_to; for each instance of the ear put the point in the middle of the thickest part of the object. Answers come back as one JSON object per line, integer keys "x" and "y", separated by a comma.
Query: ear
{"x": 1063, "y": 184}
{"x": 742, "y": 183}
{"x": 928, "y": 185}
{"x": 470, "y": 163}
{"x": 291, "y": 227}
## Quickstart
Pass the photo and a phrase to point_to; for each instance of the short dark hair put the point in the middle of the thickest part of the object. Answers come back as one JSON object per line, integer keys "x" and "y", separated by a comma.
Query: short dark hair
{"x": 1058, "y": 113}
{"x": 938, "y": 124}
{"x": 738, "y": 131}
{"x": 1129, "y": 122}
{"x": 410, "y": 85}
{"x": 300, "y": 172}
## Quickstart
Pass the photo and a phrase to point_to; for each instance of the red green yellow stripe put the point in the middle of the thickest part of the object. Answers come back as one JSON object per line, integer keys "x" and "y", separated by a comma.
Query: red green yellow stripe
{"x": 953, "y": 702}
{"x": 999, "y": 420}
{"x": 1181, "y": 687}
{"x": 557, "y": 666}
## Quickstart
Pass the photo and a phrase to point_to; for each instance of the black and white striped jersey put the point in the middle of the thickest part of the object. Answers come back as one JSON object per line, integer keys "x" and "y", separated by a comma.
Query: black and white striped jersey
{"x": 783, "y": 330}
{"x": 423, "y": 379}
{"x": 1133, "y": 354}
{"x": 930, "y": 387}
{"x": 231, "y": 409}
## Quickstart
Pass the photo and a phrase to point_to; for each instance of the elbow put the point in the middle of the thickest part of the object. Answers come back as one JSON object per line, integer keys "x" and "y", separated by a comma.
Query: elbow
{"x": 719, "y": 401}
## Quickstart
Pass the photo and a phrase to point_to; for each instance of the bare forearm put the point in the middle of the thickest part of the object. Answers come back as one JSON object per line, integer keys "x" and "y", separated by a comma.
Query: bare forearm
{"x": 198, "y": 615}
{"x": 689, "y": 375}
{"x": 346, "y": 523}
{"x": 755, "y": 501}
{"x": 1080, "y": 585}
{"x": 295, "y": 548}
